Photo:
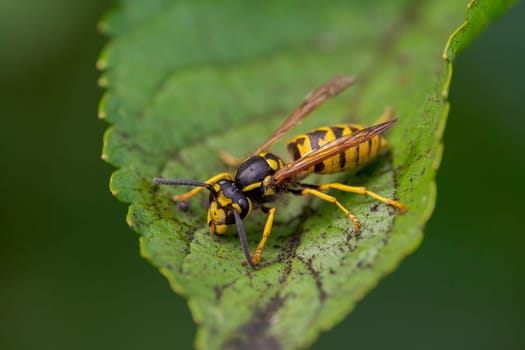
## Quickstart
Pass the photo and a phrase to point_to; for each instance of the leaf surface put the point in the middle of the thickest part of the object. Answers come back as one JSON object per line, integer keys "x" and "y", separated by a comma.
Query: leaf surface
{"x": 188, "y": 79}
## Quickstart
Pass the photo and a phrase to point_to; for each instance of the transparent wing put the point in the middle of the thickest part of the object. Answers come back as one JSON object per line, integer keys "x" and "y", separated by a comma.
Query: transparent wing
{"x": 329, "y": 89}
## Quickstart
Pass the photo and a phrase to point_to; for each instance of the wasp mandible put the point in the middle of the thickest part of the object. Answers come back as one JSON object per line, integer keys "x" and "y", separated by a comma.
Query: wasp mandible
{"x": 263, "y": 177}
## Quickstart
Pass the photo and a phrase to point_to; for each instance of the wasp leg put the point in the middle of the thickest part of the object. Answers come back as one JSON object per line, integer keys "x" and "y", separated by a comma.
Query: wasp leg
{"x": 193, "y": 192}
{"x": 265, "y": 235}
{"x": 363, "y": 191}
{"x": 387, "y": 115}
{"x": 334, "y": 200}
{"x": 230, "y": 160}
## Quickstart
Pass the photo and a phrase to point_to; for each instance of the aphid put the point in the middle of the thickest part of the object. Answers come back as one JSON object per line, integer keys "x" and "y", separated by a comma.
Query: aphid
{"x": 263, "y": 177}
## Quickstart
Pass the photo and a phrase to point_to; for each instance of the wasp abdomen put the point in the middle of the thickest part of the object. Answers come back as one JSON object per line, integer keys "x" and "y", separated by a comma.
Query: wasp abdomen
{"x": 349, "y": 159}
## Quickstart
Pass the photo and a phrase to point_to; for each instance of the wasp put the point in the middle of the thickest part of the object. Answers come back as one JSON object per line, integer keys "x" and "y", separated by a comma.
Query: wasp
{"x": 263, "y": 177}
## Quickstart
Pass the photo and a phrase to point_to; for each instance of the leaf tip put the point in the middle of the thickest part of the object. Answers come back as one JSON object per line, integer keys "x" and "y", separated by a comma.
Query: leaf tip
{"x": 166, "y": 272}
{"x": 112, "y": 189}
{"x": 130, "y": 222}
{"x": 103, "y": 26}
{"x": 102, "y": 107}
{"x": 102, "y": 81}
{"x": 102, "y": 63}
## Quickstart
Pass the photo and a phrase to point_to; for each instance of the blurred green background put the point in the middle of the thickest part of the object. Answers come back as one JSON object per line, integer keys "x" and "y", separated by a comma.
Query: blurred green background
{"x": 71, "y": 275}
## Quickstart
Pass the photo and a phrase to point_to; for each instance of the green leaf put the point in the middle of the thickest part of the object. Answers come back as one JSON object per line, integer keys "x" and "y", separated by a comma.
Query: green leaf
{"x": 186, "y": 80}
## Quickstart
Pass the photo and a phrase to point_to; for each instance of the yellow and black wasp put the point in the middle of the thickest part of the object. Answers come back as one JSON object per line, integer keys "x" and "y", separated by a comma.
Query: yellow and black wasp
{"x": 263, "y": 177}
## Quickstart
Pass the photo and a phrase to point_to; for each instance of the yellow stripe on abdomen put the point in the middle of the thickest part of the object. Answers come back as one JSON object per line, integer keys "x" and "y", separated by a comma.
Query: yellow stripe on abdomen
{"x": 349, "y": 159}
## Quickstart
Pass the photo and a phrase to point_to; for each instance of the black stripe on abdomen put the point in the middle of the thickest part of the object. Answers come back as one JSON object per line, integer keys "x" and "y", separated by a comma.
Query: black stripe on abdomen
{"x": 315, "y": 137}
{"x": 293, "y": 149}
{"x": 338, "y": 132}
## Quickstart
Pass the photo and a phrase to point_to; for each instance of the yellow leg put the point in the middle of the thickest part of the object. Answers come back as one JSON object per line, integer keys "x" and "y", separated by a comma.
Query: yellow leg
{"x": 334, "y": 200}
{"x": 387, "y": 115}
{"x": 194, "y": 191}
{"x": 363, "y": 191}
{"x": 230, "y": 160}
{"x": 265, "y": 235}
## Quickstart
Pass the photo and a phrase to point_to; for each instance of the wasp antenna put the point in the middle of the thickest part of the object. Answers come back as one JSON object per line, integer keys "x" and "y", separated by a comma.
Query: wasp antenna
{"x": 242, "y": 237}
{"x": 177, "y": 182}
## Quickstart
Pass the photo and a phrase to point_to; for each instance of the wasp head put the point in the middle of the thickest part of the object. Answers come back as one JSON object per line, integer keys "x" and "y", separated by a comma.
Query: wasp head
{"x": 228, "y": 205}
{"x": 225, "y": 198}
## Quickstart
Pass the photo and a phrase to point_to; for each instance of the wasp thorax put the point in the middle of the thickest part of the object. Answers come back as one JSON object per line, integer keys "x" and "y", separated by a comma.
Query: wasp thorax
{"x": 226, "y": 198}
{"x": 254, "y": 173}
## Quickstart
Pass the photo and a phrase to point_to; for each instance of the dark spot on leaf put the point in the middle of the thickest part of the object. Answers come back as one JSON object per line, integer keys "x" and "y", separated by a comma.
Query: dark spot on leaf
{"x": 374, "y": 207}
{"x": 342, "y": 249}
{"x": 183, "y": 206}
{"x": 317, "y": 277}
{"x": 364, "y": 265}
{"x": 220, "y": 289}
{"x": 253, "y": 334}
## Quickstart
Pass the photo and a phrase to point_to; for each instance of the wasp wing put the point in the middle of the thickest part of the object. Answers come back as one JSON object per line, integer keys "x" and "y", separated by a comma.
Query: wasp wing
{"x": 328, "y": 151}
{"x": 312, "y": 101}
